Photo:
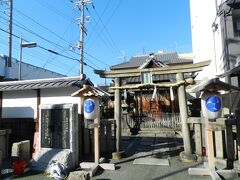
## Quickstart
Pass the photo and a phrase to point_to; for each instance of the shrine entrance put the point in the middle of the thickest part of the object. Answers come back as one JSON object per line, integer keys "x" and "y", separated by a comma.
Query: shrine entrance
{"x": 145, "y": 112}
{"x": 147, "y": 81}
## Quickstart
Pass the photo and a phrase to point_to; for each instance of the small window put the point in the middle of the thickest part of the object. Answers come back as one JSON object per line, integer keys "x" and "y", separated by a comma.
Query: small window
{"x": 236, "y": 23}
{"x": 146, "y": 77}
{"x": 236, "y": 26}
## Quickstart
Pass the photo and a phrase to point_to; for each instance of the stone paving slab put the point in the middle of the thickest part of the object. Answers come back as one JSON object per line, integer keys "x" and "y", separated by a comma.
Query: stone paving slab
{"x": 151, "y": 161}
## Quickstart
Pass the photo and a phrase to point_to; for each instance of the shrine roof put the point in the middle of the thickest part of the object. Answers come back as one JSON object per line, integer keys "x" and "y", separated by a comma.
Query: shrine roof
{"x": 160, "y": 58}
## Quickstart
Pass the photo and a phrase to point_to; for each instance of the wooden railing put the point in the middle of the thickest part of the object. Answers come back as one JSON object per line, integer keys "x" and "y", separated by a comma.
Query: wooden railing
{"x": 154, "y": 121}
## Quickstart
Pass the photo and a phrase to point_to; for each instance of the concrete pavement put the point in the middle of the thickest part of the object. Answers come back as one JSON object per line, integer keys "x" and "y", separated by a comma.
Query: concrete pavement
{"x": 150, "y": 145}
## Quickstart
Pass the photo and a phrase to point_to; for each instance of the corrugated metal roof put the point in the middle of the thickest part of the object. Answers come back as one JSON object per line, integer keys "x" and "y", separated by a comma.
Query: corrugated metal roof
{"x": 44, "y": 83}
{"x": 165, "y": 58}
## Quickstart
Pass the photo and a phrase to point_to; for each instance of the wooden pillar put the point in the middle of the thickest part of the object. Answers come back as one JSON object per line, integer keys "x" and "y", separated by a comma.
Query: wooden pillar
{"x": 210, "y": 149}
{"x": 230, "y": 145}
{"x": 102, "y": 137}
{"x": 184, "y": 115}
{"x": 96, "y": 140}
{"x": 109, "y": 137}
{"x": 117, "y": 114}
{"x": 237, "y": 114}
{"x": 219, "y": 144}
{"x": 198, "y": 138}
{"x": 38, "y": 109}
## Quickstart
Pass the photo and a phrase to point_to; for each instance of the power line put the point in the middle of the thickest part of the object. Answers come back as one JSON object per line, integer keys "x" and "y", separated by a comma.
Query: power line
{"x": 104, "y": 10}
{"x": 104, "y": 28}
{"x": 53, "y": 9}
{"x": 51, "y": 51}
{"x": 42, "y": 25}
{"x": 57, "y": 45}
{"x": 46, "y": 49}
{"x": 30, "y": 31}
{"x": 16, "y": 45}
{"x": 60, "y": 37}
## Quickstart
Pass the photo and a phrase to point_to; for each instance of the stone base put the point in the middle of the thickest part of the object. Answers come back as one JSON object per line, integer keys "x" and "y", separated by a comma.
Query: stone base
{"x": 91, "y": 168}
{"x": 44, "y": 156}
{"x": 220, "y": 163}
{"x": 79, "y": 175}
{"x": 151, "y": 161}
{"x": 205, "y": 171}
{"x": 188, "y": 158}
{"x": 21, "y": 150}
{"x": 118, "y": 155}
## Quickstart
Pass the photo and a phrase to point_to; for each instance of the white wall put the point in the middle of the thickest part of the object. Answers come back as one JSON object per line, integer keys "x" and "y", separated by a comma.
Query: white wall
{"x": 60, "y": 96}
{"x": 23, "y": 104}
{"x": 19, "y": 104}
{"x": 202, "y": 16}
{"x": 207, "y": 45}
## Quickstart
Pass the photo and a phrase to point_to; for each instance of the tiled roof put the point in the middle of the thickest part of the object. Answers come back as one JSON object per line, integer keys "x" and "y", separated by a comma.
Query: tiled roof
{"x": 43, "y": 83}
{"x": 164, "y": 58}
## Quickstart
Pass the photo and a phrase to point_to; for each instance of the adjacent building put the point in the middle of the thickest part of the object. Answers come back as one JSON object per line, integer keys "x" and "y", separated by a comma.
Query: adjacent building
{"x": 215, "y": 29}
{"x": 28, "y": 71}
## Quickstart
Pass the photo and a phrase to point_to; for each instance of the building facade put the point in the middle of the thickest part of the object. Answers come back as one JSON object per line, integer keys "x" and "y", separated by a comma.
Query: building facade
{"x": 215, "y": 29}
{"x": 28, "y": 71}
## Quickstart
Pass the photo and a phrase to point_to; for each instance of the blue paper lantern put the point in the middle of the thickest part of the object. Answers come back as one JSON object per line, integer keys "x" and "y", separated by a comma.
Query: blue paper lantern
{"x": 211, "y": 104}
{"x": 89, "y": 105}
{"x": 91, "y": 108}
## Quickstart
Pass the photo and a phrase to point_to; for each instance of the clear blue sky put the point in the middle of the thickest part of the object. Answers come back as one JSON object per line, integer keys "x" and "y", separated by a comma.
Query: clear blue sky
{"x": 134, "y": 26}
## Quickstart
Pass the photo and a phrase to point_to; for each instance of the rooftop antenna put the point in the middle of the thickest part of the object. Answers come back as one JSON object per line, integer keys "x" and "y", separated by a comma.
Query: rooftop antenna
{"x": 123, "y": 57}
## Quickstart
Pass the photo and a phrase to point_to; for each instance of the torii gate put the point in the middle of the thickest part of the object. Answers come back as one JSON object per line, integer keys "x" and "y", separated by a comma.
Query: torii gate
{"x": 179, "y": 70}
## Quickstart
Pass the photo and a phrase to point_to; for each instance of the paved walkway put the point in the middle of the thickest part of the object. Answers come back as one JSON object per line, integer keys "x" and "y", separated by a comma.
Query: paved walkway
{"x": 156, "y": 146}
{"x": 150, "y": 146}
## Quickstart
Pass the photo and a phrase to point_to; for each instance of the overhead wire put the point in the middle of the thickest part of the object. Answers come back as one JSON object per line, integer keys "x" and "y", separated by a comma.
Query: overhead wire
{"x": 53, "y": 9}
{"x": 53, "y": 52}
{"x": 33, "y": 57}
{"x": 104, "y": 10}
{"x": 49, "y": 50}
{"x": 16, "y": 49}
{"x": 60, "y": 37}
{"x": 19, "y": 25}
{"x": 52, "y": 32}
{"x": 87, "y": 53}
{"x": 107, "y": 35}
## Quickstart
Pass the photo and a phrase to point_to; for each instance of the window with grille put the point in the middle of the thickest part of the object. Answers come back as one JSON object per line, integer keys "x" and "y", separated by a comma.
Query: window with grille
{"x": 146, "y": 77}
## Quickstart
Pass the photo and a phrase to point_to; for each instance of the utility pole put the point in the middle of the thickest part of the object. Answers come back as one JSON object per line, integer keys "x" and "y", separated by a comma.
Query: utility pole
{"x": 81, "y": 37}
{"x": 10, "y": 8}
{"x": 10, "y": 34}
{"x": 81, "y": 5}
